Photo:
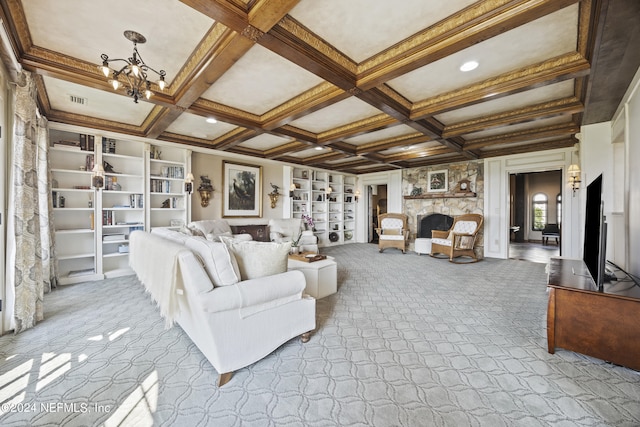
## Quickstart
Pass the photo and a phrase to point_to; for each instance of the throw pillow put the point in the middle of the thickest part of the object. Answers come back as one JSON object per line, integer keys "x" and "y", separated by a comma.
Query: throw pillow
{"x": 219, "y": 262}
{"x": 196, "y": 232}
{"x": 259, "y": 259}
{"x": 392, "y": 231}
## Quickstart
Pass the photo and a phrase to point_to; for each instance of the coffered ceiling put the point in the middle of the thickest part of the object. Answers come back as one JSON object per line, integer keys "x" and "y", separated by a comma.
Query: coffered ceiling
{"x": 357, "y": 86}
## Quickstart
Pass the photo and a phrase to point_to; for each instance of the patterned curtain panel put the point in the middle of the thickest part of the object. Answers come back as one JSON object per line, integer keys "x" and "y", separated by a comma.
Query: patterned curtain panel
{"x": 33, "y": 264}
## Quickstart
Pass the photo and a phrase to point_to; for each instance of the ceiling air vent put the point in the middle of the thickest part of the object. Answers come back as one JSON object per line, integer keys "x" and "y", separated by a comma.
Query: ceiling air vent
{"x": 78, "y": 100}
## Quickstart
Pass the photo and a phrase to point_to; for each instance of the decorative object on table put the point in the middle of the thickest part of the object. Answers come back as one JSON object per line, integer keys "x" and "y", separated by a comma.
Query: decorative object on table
{"x": 334, "y": 237}
{"x": 307, "y": 257}
{"x": 438, "y": 181}
{"x": 416, "y": 191}
{"x": 242, "y": 190}
{"x": 295, "y": 249}
{"x": 273, "y": 196}
{"x": 134, "y": 72}
{"x": 188, "y": 183}
{"x": 205, "y": 189}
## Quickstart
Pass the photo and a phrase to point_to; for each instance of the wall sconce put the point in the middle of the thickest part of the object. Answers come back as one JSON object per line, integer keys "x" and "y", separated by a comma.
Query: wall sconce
{"x": 292, "y": 187}
{"x": 574, "y": 177}
{"x": 205, "y": 189}
{"x": 273, "y": 196}
{"x": 97, "y": 180}
{"x": 356, "y": 195}
{"x": 188, "y": 183}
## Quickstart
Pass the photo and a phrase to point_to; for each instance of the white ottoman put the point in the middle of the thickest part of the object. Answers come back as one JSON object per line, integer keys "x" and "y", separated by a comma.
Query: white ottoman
{"x": 321, "y": 276}
{"x": 423, "y": 246}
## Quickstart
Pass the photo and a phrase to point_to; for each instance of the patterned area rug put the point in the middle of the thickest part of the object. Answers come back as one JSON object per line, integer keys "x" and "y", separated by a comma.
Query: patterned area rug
{"x": 408, "y": 340}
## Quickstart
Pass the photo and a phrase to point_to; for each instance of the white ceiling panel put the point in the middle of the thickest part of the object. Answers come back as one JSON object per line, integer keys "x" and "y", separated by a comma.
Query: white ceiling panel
{"x": 197, "y": 127}
{"x": 309, "y": 153}
{"x": 391, "y": 132}
{"x": 100, "y": 104}
{"x": 264, "y": 142}
{"x": 172, "y": 32}
{"x": 361, "y": 28}
{"x": 339, "y": 114}
{"x": 260, "y": 81}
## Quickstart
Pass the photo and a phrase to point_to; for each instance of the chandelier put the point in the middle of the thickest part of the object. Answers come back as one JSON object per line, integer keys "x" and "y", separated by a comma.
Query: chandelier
{"x": 133, "y": 75}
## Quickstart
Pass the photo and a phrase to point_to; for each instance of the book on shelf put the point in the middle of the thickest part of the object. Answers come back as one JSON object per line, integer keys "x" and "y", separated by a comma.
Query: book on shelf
{"x": 113, "y": 237}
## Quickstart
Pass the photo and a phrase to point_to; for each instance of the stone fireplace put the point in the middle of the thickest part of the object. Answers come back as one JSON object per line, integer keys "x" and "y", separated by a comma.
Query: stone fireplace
{"x": 448, "y": 204}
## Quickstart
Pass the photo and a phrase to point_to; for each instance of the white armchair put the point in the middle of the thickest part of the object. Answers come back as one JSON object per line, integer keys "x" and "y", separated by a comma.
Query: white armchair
{"x": 288, "y": 229}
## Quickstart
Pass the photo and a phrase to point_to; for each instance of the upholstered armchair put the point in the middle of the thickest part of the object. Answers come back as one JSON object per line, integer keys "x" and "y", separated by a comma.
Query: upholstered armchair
{"x": 460, "y": 240}
{"x": 288, "y": 229}
{"x": 393, "y": 231}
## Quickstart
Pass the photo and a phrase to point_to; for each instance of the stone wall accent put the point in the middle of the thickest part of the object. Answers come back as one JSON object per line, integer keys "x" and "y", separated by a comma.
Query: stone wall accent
{"x": 417, "y": 178}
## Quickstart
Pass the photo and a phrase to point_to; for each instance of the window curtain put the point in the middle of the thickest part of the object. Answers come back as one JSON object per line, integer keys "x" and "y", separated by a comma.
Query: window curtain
{"x": 31, "y": 266}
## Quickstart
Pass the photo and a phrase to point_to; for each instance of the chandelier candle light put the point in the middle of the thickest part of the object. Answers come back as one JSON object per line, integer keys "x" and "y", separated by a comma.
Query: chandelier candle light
{"x": 134, "y": 72}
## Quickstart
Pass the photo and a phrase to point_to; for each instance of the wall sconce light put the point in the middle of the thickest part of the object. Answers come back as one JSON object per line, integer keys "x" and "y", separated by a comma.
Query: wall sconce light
{"x": 188, "y": 183}
{"x": 205, "y": 189}
{"x": 357, "y": 195}
{"x": 273, "y": 196}
{"x": 574, "y": 177}
{"x": 292, "y": 187}
{"x": 97, "y": 180}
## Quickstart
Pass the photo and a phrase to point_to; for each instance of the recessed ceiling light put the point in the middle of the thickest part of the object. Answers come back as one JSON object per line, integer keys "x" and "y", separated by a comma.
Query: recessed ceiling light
{"x": 211, "y": 120}
{"x": 468, "y": 66}
{"x": 318, "y": 148}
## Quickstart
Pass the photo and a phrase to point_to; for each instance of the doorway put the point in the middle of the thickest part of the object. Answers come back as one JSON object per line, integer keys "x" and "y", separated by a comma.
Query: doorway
{"x": 535, "y": 208}
{"x": 377, "y": 205}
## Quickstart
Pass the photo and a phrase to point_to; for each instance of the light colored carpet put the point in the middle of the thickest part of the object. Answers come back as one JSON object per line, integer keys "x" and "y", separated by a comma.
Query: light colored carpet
{"x": 407, "y": 341}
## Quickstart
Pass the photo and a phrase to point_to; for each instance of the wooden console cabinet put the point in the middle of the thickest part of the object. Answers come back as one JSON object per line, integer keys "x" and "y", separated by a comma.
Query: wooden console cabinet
{"x": 605, "y": 324}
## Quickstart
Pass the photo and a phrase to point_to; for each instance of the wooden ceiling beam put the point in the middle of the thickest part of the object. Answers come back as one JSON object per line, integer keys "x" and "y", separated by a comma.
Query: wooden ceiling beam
{"x": 416, "y": 154}
{"x": 529, "y": 148}
{"x": 385, "y": 144}
{"x": 548, "y": 109}
{"x": 526, "y": 135}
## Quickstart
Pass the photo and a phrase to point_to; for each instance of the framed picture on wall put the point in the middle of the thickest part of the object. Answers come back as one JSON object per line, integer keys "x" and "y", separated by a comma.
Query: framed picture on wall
{"x": 242, "y": 190}
{"x": 437, "y": 181}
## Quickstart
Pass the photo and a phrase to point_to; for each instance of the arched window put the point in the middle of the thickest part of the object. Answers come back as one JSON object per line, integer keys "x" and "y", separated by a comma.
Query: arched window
{"x": 559, "y": 209}
{"x": 540, "y": 205}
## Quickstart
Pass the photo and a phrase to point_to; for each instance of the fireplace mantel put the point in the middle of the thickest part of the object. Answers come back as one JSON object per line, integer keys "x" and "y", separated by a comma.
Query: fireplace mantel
{"x": 441, "y": 196}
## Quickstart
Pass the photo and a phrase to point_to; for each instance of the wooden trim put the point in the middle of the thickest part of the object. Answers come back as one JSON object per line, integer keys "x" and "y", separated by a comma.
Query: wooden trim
{"x": 442, "y": 196}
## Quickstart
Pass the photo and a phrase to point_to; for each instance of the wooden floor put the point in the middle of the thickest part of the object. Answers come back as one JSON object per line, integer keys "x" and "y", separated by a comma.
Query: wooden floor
{"x": 534, "y": 252}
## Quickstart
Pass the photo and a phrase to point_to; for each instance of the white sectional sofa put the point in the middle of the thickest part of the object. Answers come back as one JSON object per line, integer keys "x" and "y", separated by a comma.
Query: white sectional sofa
{"x": 203, "y": 286}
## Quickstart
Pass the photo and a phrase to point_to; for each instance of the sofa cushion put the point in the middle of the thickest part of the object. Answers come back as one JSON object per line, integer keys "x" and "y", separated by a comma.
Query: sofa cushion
{"x": 216, "y": 237}
{"x": 169, "y": 234}
{"x": 259, "y": 259}
{"x": 218, "y": 261}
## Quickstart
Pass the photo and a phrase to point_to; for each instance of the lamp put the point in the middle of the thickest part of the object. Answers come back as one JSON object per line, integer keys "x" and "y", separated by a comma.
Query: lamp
{"x": 188, "y": 183}
{"x": 356, "y": 195}
{"x": 292, "y": 187}
{"x": 574, "y": 177}
{"x": 97, "y": 180}
{"x": 205, "y": 189}
{"x": 134, "y": 72}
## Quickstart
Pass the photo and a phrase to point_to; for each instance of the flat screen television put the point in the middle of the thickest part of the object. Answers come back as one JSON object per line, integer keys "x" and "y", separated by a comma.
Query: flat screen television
{"x": 595, "y": 233}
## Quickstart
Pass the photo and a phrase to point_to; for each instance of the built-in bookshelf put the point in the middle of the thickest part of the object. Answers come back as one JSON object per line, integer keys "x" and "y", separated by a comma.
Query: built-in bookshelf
{"x": 121, "y": 203}
{"x": 167, "y": 199}
{"x": 92, "y": 226}
{"x": 329, "y": 199}
{"x": 73, "y": 207}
